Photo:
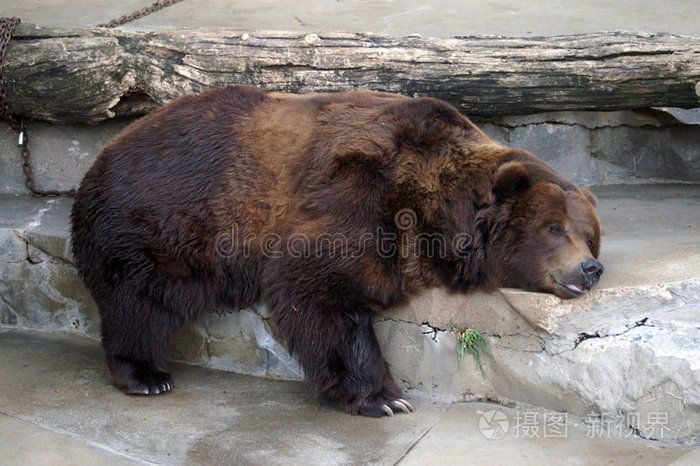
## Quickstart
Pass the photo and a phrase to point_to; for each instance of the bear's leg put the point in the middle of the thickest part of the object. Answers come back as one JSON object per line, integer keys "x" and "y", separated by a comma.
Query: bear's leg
{"x": 136, "y": 334}
{"x": 364, "y": 384}
{"x": 339, "y": 352}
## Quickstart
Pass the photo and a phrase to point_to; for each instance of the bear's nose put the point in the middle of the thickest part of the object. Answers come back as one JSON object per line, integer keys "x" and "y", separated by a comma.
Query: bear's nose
{"x": 591, "y": 270}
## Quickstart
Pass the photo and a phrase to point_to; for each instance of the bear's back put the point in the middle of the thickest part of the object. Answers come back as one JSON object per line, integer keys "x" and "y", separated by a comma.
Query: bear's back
{"x": 143, "y": 207}
{"x": 228, "y": 160}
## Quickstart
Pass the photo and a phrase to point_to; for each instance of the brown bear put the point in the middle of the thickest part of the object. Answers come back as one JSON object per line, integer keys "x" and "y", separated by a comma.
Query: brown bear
{"x": 324, "y": 207}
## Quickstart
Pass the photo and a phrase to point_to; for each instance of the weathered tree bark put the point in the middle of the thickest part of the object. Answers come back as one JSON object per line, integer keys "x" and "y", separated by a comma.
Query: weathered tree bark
{"x": 91, "y": 75}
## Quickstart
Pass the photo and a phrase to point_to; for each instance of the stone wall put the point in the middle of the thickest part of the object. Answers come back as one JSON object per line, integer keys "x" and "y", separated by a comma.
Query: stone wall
{"x": 590, "y": 148}
{"x": 604, "y": 148}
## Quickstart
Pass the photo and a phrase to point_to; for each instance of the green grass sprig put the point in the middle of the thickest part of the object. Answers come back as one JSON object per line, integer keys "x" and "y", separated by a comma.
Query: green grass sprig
{"x": 470, "y": 341}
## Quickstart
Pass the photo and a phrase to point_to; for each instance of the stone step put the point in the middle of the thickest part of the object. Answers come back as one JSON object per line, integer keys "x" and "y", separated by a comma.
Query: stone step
{"x": 626, "y": 354}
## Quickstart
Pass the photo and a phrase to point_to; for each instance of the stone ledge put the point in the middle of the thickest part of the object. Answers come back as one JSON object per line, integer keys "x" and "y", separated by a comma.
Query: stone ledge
{"x": 631, "y": 351}
{"x": 630, "y": 346}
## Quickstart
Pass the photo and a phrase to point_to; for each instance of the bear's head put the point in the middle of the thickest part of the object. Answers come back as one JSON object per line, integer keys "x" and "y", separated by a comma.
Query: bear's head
{"x": 550, "y": 237}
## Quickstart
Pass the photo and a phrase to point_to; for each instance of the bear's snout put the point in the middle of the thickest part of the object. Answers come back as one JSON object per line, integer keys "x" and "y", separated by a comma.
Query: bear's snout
{"x": 591, "y": 270}
{"x": 570, "y": 282}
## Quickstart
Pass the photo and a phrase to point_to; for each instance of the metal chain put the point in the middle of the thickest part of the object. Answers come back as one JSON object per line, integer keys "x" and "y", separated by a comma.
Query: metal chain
{"x": 160, "y": 4}
{"x": 7, "y": 25}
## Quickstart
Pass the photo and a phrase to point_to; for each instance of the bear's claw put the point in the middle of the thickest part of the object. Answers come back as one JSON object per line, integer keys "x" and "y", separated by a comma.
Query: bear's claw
{"x": 403, "y": 405}
{"x": 382, "y": 407}
{"x": 160, "y": 386}
{"x": 396, "y": 406}
{"x": 387, "y": 410}
{"x": 151, "y": 389}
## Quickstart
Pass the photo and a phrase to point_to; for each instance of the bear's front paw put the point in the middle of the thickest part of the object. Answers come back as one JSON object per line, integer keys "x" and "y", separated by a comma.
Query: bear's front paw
{"x": 139, "y": 378}
{"x": 155, "y": 383}
{"x": 378, "y": 407}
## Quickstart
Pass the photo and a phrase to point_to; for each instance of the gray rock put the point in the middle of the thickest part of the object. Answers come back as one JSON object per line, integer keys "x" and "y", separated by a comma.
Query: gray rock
{"x": 682, "y": 115}
{"x": 607, "y": 148}
{"x": 646, "y": 153}
{"x": 46, "y": 294}
{"x": 12, "y": 247}
{"x": 239, "y": 341}
{"x": 615, "y": 354}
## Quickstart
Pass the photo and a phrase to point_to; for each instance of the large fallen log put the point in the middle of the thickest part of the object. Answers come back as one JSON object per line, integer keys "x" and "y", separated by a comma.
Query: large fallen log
{"x": 86, "y": 76}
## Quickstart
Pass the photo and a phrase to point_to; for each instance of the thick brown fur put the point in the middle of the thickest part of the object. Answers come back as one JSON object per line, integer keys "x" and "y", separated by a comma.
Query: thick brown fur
{"x": 325, "y": 208}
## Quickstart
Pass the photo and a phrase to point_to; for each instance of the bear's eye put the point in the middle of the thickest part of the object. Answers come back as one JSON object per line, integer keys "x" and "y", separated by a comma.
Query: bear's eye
{"x": 556, "y": 230}
{"x": 590, "y": 243}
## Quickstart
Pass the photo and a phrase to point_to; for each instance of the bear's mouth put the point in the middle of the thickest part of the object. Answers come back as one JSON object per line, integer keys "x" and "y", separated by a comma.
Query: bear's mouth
{"x": 575, "y": 290}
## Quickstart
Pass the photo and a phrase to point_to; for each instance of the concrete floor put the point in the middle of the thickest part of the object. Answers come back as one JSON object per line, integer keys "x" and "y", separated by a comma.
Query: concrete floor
{"x": 430, "y": 18}
{"x": 58, "y": 407}
{"x": 645, "y": 245}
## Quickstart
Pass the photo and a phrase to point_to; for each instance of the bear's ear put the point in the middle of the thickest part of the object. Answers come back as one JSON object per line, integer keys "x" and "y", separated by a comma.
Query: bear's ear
{"x": 511, "y": 177}
{"x": 425, "y": 110}
{"x": 589, "y": 195}
{"x": 423, "y": 121}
